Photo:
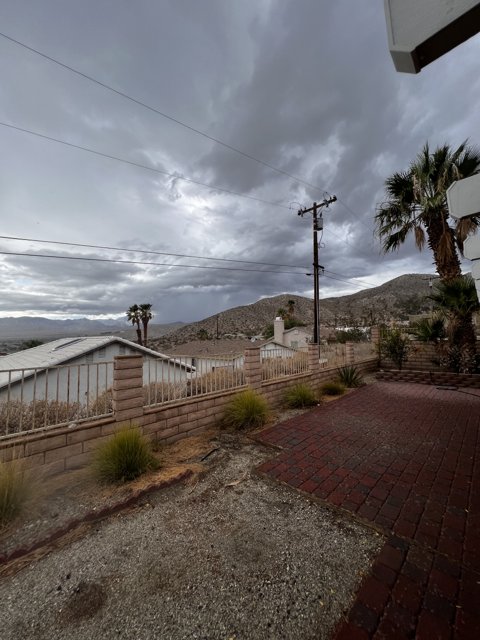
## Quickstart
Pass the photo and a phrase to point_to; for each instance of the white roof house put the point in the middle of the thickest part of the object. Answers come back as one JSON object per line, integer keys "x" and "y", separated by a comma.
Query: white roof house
{"x": 76, "y": 366}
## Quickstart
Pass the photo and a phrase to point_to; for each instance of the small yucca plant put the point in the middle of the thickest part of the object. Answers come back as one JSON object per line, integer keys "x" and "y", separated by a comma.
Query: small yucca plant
{"x": 332, "y": 389}
{"x": 349, "y": 376}
{"x": 124, "y": 457}
{"x": 246, "y": 410}
{"x": 300, "y": 396}
{"x": 14, "y": 490}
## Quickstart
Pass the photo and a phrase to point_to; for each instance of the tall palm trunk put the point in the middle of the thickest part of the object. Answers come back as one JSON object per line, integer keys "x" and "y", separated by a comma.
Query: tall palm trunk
{"x": 139, "y": 333}
{"x": 441, "y": 241}
{"x": 145, "y": 325}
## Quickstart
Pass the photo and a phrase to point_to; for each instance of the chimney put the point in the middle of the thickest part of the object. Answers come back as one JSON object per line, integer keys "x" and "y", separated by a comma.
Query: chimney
{"x": 278, "y": 329}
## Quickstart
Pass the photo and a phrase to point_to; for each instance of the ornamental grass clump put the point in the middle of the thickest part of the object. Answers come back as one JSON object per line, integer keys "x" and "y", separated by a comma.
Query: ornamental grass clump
{"x": 332, "y": 389}
{"x": 14, "y": 490}
{"x": 349, "y": 376}
{"x": 300, "y": 396}
{"x": 247, "y": 410}
{"x": 124, "y": 457}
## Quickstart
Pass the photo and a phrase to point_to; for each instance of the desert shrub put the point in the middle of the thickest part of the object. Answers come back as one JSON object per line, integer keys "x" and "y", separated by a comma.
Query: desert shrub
{"x": 16, "y": 416}
{"x": 103, "y": 403}
{"x": 394, "y": 345}
{"x": 14, "y": 490}
{"x": 158, "y": 392}
{"x": 246, "y": 410}
{"x": 125, "y": 456}
{"x": 299, "y": 396}
{"x": 332, "y": 389}
{"x": 274, "y": 367}
{"x": 217, "y": 380}
{"x": 350, "y": 335}
{"x": 349, "y": 376}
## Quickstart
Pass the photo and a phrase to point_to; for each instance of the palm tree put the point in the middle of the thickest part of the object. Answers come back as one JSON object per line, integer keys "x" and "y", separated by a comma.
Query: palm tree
{"x": 417, "y": 203}
{"x": 133, "y": 315}
{"x": 145, "y": 316}
{"x": 291, "y": 308}
{"x": 457, "y": 300}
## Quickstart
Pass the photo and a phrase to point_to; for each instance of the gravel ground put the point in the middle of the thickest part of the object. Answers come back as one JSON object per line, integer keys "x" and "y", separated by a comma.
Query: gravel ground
{"x": 231, "y": 557}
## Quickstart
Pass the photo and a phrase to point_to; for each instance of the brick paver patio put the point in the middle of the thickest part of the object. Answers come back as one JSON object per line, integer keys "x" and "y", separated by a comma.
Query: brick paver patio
{"x": 406, "y": 459}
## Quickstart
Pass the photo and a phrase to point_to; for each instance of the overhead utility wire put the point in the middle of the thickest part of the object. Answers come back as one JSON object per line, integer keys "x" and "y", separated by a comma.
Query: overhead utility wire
{"x": 158, "y": 253}
{"x": 139, "y": 165}
{"x": 341, "y": 275}
{"x": 155, "y": 170}
{"x": 157, "y": 264}
{"x": 175, "y": 255}
{"x": 173, "y": 119}
{"x": 140, "y": 262}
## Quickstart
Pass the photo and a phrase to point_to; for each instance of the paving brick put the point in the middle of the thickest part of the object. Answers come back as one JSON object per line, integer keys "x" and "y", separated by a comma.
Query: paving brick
{"x": 374, "y": 594}
{"x": 423, "y": 487}
{"x": 384, "y": 574}
{"x": 391, "y": 557}
{"x": 430, "y": 627}
{"x": 350, "y": 631}
{"x": 363, "y": 617}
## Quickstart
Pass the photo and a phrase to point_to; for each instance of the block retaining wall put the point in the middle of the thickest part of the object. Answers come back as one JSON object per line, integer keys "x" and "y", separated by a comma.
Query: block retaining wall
{"x": 423, "y": 356}
{"x": 438, "y": 378}
{"x": 57, "y": 449}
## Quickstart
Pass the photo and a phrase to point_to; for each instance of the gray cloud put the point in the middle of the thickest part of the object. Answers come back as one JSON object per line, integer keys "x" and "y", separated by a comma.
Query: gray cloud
{"x": 307, "y": 87}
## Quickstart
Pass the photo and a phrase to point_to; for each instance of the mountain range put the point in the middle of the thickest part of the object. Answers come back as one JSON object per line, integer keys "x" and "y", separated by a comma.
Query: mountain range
{"x": 395, "y": 299}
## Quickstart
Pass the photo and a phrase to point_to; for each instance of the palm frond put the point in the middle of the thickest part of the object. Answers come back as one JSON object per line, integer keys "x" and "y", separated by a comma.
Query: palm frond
{"x": 419, "y": 237}
{"x": 464, "y": 228}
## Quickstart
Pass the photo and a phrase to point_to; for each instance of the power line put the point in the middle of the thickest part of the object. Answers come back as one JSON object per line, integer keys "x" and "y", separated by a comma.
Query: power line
{"x": 139, "y": 165}
{"x": 348, "y": 282}
{"x": 158, "y": 253}
{"x": 140, "y": 262}
{"x": 341, "y": 275}
{"x": 158, "y": 264}
{"x": 180, "y": 255}
{"x": 173, "y": 119}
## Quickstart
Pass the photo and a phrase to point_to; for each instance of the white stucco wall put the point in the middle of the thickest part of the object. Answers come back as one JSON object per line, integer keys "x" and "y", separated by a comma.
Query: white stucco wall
{"x": 297, "y": 338}
{"x": 87, "y": 376}
{"x": 463, "y": 198}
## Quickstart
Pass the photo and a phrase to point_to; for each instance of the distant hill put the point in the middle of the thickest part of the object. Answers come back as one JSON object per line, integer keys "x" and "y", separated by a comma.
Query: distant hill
{"x": 14, "y": 331}
{"x": 395, "y": 299}
{"x": 38, "y": 327}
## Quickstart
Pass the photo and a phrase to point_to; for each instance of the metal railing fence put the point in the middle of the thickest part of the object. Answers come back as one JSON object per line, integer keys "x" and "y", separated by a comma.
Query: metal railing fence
{"x": 40, "y": 397}
{"x": 186, "y": 377}
{"x": 279, "y": 363}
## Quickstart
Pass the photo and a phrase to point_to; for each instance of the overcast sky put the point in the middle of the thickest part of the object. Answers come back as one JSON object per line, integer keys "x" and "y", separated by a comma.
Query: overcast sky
{"x": 307, "y": 86}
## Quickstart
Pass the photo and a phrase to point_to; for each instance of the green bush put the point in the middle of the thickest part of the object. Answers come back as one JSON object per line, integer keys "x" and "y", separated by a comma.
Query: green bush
{"x": 246, "y": 410}
{"x": 300, "y": 396}
{"x": 395, "y": 346}
{"x": 429, "y": 329}
{"x": 14, "y": 490}
{"x": 349, "y": 376}
{"x": 125, "y": 456}
{"x": 332, "y": 389}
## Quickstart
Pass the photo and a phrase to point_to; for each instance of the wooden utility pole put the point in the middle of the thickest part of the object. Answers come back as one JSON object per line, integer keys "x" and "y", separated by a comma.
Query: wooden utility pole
{"x": 316, "y": 211}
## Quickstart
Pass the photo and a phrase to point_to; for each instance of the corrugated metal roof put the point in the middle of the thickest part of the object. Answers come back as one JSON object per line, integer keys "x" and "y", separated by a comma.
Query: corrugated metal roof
{"x": 62, "y": 351}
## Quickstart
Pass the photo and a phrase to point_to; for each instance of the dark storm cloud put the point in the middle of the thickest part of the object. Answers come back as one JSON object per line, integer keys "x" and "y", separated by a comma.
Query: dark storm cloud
{"x": 307, "y": 87}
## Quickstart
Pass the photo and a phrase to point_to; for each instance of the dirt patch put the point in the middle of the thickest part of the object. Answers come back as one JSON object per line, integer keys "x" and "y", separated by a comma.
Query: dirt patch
{"x": 231, "y": 556}
{"x": 86, "y": 600}
{"x": 72, "y": 495}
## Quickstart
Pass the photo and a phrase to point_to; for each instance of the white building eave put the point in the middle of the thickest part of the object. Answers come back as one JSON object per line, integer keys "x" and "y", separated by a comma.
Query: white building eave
{"x": 463, "y": 199}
